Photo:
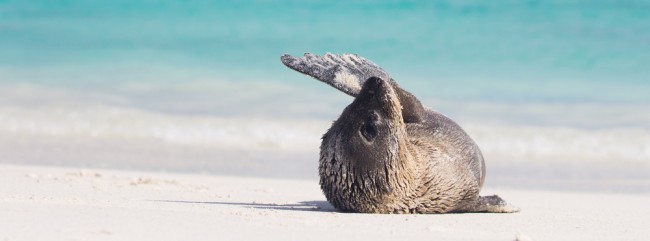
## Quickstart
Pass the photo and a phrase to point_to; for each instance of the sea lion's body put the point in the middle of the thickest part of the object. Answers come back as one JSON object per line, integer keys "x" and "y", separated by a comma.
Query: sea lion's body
{"x": 386, "y": 153}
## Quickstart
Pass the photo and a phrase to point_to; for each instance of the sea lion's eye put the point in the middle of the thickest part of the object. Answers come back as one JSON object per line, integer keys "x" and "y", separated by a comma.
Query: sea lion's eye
{"x": 369, "y": 131}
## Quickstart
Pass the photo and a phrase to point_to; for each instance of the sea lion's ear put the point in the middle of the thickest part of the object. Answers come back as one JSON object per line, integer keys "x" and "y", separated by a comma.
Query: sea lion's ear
{"x": 345, "y": 72}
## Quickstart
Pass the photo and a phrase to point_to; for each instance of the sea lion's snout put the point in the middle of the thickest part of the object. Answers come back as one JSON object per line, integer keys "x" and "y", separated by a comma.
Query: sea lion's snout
{"x": 375, "y": 85}
{"x": 375, "y": 81}
{"x": 378, "y": 93}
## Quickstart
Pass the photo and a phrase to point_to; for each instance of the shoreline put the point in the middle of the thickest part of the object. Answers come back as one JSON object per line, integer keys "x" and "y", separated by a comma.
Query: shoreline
{"x": 55, "y": 203}
{"x": 576, "y": 179}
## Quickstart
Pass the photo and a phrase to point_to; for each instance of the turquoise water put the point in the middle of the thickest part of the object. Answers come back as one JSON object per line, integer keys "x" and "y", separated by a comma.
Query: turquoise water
{"x": 543, "y": 86}
{"x": 506, "y": 50}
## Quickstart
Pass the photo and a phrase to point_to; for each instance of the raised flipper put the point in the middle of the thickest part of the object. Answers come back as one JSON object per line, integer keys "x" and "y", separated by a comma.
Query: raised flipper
{"x": 489, "y": 204}
{"x": 348, "y": 72}
{"x": 345, "y": 72}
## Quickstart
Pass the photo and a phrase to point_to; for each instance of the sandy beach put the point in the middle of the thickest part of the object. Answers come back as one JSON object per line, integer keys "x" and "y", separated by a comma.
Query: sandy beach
{"x": 178, "y": 120}
{"x": 54, "y": 203}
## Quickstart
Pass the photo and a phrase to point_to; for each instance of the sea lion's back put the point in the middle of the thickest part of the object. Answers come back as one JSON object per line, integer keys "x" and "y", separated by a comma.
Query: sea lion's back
{"x": 445, "y": 143}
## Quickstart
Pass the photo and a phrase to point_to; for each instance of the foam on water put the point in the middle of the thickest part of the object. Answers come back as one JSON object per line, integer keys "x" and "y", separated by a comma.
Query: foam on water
{"x": 503, "y": 142}
{"x": 59, "y": 128}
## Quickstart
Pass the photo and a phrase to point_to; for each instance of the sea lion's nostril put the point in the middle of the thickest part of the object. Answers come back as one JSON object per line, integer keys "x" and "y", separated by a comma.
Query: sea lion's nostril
{"x": 376, "y": 81}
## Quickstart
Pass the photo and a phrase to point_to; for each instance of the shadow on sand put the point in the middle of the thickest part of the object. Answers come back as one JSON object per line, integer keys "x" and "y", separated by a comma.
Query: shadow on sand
{"x": 312, "y": 206}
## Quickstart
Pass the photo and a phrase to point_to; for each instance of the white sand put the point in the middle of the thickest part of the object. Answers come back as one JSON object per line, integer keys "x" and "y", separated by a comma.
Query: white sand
{"x": 46, "y": 203}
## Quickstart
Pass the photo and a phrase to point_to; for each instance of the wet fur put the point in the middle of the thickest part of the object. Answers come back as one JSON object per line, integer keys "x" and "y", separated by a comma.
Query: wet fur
{"x": 434, "y": 168}
{"x": 421, "y": 162}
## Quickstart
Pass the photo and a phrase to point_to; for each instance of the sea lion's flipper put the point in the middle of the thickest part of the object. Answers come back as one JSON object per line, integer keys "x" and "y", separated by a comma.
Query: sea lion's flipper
{"x": 346, "y": 72}
{"x": 490, "y": 204}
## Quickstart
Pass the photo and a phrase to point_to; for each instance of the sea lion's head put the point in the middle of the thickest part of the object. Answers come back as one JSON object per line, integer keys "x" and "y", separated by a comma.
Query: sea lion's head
{"x": 369, "y": 126}
{"x": 363, "y": 149}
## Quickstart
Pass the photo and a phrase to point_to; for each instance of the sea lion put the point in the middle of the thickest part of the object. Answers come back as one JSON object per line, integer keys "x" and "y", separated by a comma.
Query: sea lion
{"x": 387, "y": 153}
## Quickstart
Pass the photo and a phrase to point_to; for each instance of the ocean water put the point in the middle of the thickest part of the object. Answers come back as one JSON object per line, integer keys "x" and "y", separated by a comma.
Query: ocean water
{"x": 556, "y": 93}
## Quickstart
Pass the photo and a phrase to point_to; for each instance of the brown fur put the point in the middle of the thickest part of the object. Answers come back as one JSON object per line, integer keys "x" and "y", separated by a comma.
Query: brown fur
{"x": 388, "y": 154}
